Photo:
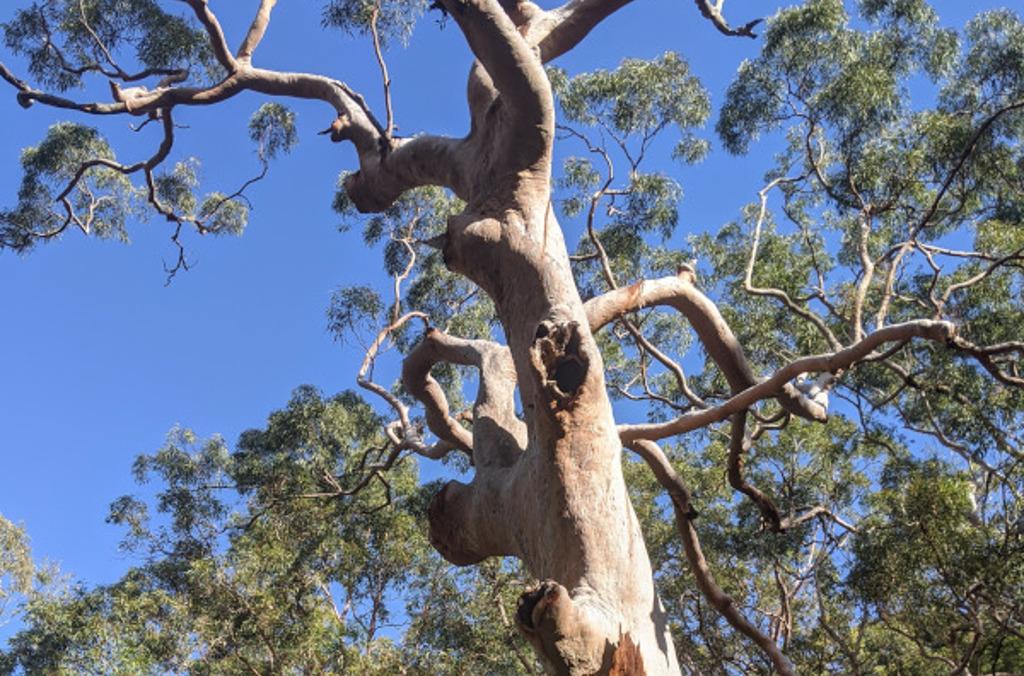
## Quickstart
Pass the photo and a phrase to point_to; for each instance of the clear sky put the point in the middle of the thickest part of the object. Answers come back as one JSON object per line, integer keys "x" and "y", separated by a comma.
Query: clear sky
{"x": 101, "y": 359}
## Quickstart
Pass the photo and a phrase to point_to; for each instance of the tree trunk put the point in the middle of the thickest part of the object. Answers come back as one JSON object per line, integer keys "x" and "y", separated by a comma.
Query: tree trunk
{"x": 559, "y": 503}
{"x": 548, "y": 489}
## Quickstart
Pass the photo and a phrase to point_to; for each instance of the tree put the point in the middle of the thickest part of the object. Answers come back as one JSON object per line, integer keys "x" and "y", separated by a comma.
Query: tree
{"x": 16, "y": 567}
{"x": 269, "y": 576}
{"x": 894, "y": 259}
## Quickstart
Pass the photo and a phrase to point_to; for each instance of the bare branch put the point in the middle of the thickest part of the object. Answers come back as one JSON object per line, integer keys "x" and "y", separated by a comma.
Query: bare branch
{"x": 715, "y": 335}
{"x": 866, "y": 275}
{"x": 559, "y": 30}
{"x": 418, "y": 381}
{"x": 217, "y": 41}
{"x": 748, "y": 283}
{"x": 890, "y": 281}
{"x": 385, "y": 76}
{"x": 830, "y": 362}
{"x": 28, "y": 95}
{"x": 509, "y": 60}
{"x": 256, "y": 31}
{"x": 564, "y": 27}
{"x": 364, "y": 381}
{"x": 498, "y": 435}
{"x": 680, "y": 293}
{"x": 818, "y": 511}
{"x": 684, "y": 513}
{"x": 713, "y": 13}
{"x": 383, "y": 176}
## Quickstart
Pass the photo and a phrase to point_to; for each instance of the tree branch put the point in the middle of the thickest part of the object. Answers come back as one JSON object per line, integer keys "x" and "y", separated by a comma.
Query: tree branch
{"x": 498, "y": 435}
{"x": 564, "y": 27}
{"x": 256, "y": 31}
{"x": 27, "y": 95}
{"x": 739, "y": 444}
{"x": 149, "y": 164}
{"x": 984, "y": 357}
{"x": 748, "y": 277}
{"x": 829, "y": 362}
{"x": 713, "y": 13}
{"x": 715, "y": 335}
{"x": 509, "y": 60}
{"x": 384, "y": 75}
{"x": 684, "y": 513}
{"x": 961, "y": 160}
{"x": 213, "y": 29}
{"x": 363, "y": 376}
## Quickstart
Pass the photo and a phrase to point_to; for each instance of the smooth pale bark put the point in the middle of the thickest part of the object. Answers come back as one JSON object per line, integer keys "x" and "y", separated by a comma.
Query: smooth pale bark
{"x": 548, "y": 488}
{"x": 561, "y": 506}
{"x": 555, "y": 496}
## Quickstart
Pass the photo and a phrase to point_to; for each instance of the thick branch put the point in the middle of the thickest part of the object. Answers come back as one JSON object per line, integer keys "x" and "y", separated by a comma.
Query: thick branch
{"x": 680, "y": 293}
{"x": 256, "y": 31}
{"x": 422, "y": 160}
{"x": 830, "y": 362}
{"x": 508, "y": 59}
{"x": 27, "y": 95}
{"x": 411, "y": 162}
{"x": 715, "y": 335}
{"x": 498, "y": 435}
{"x": 559, "y": 30}
{"x": 417, "y": 380}
{"x": 563, "y": 28}
{"x": 217, "y": 40}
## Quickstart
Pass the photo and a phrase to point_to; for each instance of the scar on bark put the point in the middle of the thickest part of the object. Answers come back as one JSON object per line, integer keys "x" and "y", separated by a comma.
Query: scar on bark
{"x": 626, "y": 658}
{"x": 561, "y": 634}
{"x": 557, "y": 356}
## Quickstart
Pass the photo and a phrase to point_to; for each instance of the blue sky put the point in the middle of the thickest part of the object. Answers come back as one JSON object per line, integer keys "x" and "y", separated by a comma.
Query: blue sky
{"x": 101, "y": 358}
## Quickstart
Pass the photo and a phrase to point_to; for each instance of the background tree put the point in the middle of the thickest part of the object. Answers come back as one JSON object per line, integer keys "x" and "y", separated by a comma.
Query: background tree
{"x": 886, "y": 242}
{"x": 16, "y": 567}
{"x": 250, "y": 566}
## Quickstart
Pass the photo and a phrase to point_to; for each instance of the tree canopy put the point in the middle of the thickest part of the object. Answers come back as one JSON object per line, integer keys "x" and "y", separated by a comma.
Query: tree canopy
{"x": 821, "y": 403}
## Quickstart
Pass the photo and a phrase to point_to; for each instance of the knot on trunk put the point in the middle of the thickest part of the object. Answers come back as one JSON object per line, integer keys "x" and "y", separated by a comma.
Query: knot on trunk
{"x": 448, "y": 533}
{"x": 369, "y": 191}
{"x": 562, "y": 366}
{"x": 687, "y": 271}
{"x": 568, "y": 641}
{"x": 340, "y": 129}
